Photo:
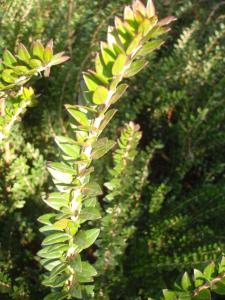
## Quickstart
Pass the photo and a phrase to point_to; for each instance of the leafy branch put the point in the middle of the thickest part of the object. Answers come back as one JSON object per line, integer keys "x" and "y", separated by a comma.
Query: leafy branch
{"x": 121, "y": 206}
{"x": 18, "y": 69}
{"x": 201, "y": 285}
{"x": 122, "y": 56}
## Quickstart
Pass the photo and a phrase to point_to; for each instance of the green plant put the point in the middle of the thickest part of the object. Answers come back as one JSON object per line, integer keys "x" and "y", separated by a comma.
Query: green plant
{"x": 21, "y": 164}
{"x": 15, "y": 71}
{"x": 121, "y": 207}
{"x": 201, "y": 285}
{"x": 181, "y": 222}
{"x": 75, "y": 202}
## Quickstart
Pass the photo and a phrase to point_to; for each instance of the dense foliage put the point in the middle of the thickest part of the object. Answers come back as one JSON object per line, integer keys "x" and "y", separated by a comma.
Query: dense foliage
{"x": 163, "y": 199}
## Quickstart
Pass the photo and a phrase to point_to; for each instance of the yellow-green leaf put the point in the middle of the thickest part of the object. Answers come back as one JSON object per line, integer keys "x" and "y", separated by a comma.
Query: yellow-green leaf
{"x": 119, "y": 64}
{"x": 100, "y": 95}
{"x": 23, "y": 53}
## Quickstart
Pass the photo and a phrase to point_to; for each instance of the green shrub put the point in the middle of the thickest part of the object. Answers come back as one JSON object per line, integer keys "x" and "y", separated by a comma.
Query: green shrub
{"x": 171, "y": 209}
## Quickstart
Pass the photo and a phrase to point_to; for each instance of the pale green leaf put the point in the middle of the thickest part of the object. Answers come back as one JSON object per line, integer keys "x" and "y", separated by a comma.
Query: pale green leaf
{"x": 100, "y": 95}
{"x": 79, "y": 116}
{"x": 108, "y": 116}
{"x": 101, "y": 147}
{"x": 92, "y": 189}
{"x": 76, "y": 264}
{"x": 57, "y": 200}
{"x": 186, "y": 282}
{"x": 89, "y": 213}
{"x": 150, "y": 47}
{"x": 56, "y": 296}
{"x": 8, "y": 58}
{"x": 119, "y": 64}
{"x": 55, "y": 238}
{"x": 47, "y": 218}
{"x": 135, "y": 68}
{"x": 23, "y": 54}
{"x": 84, "y": 239}
{"x": 38, "y": 50}
{"x": 121, "y": 89}
{"x": 68, "y": 146}
{"x": 198, "y": 278}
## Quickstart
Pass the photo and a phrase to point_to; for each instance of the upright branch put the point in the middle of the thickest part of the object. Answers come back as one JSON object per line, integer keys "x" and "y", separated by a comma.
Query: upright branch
{"x": 122, "y": 56}
{"x": 121, "y": 207}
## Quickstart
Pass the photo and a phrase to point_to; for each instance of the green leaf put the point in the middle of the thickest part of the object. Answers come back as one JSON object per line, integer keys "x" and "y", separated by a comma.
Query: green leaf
{"x": 147, "y": 25}
{"x": 61, "y": 267}
{"x": 89, "y": 213}
{"x": 100, "y": 95}
{"x": 121, "y": 89}
{"x": 222, "y": 265}
{"x": 203, "y": 295}
{"x": 61, "y": 224}
{"x": 56, "y": 238}
{"x": 8, "y": 76}
{"x": 89, "y": 290}
{"x": 135, "y": 68}
{"x": 48, "y": 228}
{"x": 48, "y": 51}
{"x": 183, "y": 296}
{"x": 56, "y": 296}
{"x": 23, "y": 54}
{"x": 101, "y": 68}
{"x": 150, "y": 47}
{"x": 134, "y": 44}
{"x": 68, "y": 146}
{"x": 219, "y": 287}
{"x": 76, "y": 264}
{"x": 79, "y": 116}
{"x": 108, "y": 116}
{"x": 56, "y": 281}
{"x": 209, "y": 271}
{"x": 93, "y": 80}
{"x": 75, "y": 291}
{"x": 108, "y": 56}
{"x": 47, "y": 218}
{"x": 8, "y": 58}
{"x": 84, "y": 239}
{"x": 38, "y": 50}
{"x": 81, "y": 278}
{"x": 88, "y": 270}
{"x": 57, "y": 200}
{"x": 186, "y": 282}
{"x": 20, "y": 70}
{"x": 55, "y": 251}
{"x": 62, "y": 167}
{"x": 157, "y": 31}
{"x": 61, "y": 172}
{"x": 92, "y": 189}
{"x": 101, "y": 147}
{"x": 119, "y": 64}
{"x": 169, "y": 295}
{"x": 198, "y": 278}
{"x": 35, "y": 63}
{"x": 50, "y": 264}
{"x": 90, "y": 202}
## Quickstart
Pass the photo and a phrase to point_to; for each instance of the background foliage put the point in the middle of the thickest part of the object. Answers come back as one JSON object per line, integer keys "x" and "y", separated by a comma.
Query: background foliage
{"x": 177, "y": 178}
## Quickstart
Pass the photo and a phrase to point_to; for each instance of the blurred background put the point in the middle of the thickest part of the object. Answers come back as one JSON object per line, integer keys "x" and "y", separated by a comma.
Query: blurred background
{"x": 174, "y": 220}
